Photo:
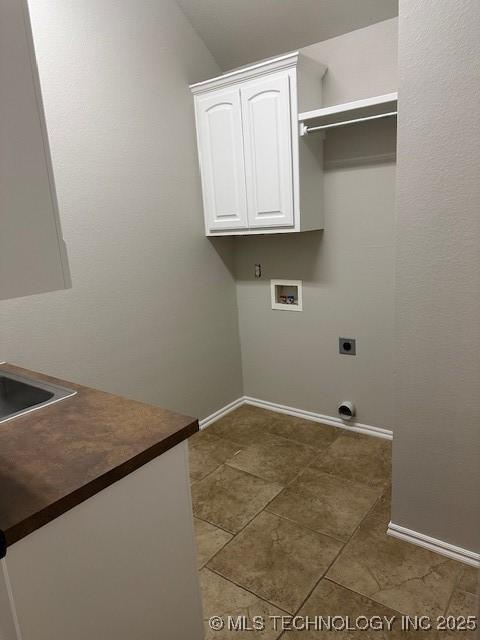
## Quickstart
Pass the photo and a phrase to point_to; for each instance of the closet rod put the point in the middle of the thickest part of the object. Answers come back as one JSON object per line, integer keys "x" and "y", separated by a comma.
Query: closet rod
{"x": 306, "y": 130}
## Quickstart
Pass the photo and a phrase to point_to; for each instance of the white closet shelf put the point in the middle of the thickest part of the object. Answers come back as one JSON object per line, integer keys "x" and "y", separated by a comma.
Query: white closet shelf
{"x": 348, "y": 113}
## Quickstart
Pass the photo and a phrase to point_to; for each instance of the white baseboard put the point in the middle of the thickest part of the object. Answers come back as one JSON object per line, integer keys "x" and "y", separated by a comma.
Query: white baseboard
{"x": 221, "y": 412}
{"x": 299, "y": 413}
{"x": 377, "y": 432}
{"x": 432, "y": 544}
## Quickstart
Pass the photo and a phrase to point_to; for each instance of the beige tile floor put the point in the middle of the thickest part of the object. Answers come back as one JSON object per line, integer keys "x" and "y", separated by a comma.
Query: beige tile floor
{"x": 291, "y": 518}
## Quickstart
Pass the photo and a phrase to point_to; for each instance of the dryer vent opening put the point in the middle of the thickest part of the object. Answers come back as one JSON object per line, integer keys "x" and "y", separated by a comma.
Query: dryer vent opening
{"x": 346, "y": 411}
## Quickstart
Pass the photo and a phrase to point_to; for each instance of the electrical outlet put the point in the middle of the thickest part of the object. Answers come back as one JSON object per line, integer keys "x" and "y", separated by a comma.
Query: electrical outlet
{"x": 347, "y": 346}
{"x": 258, "y": 270}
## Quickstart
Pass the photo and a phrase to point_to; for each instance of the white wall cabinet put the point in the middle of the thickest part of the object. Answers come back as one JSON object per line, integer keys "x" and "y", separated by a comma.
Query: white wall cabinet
{"x": 258, "y": 175}
{"x": 32, "y": 252}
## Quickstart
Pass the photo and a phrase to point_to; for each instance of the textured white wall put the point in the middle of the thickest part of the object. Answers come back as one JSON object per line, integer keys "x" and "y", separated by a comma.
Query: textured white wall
{"x": 152, "y": 312}
{"x": 437, "y": 438}
{"x": 348, "y": 270}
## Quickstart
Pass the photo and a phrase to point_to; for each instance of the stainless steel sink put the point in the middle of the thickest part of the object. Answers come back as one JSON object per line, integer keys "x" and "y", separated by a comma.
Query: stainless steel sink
{"x": 19, "y": 395}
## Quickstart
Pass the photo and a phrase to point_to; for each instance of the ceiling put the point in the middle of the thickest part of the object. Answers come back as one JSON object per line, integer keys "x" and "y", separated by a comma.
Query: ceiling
{"x": 241, "y": 31}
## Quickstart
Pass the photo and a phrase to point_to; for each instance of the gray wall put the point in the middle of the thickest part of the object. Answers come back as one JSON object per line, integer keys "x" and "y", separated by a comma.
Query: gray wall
{"x": 437, "y": 439}
{"x": 348, "y": 270}
{"x": 239, "y": 32}
{"x": 152, "y": 313}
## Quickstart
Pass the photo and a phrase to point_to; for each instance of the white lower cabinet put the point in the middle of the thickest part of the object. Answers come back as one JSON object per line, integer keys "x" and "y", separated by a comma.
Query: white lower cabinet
{"x": 119, "y": 566}
{"x": 258, "y": 176}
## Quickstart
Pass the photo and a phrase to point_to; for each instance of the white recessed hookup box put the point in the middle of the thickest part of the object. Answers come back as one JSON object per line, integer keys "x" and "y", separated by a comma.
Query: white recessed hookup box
{"x": 286, "y": 295}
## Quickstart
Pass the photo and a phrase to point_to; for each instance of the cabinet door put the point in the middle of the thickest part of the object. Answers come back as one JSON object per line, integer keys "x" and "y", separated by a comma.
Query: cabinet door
{"x": 268, "y": 151}
{"x": 220, "y": 147}
{"x": 32, "y": 252}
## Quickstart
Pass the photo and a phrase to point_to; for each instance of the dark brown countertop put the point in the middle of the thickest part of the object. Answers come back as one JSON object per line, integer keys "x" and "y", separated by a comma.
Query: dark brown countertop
{"x": 57, "y": 457}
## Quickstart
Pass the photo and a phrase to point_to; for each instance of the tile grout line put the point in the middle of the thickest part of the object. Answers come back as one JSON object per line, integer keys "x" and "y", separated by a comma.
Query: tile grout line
{"x": 217, "y": 526}
{"x": 205, "y": 476}
{"x": 309, "y": 464}
{"x": 240, "y": 531}
{"x": 324, "y": 574}
{"x": 241, "y": 586}
{"x": 362, "y": 595}
{"x": 297, "y": 524}
{"x": 253, "y": 517}
{"x": 309, "y": 445}
{"x": 221, "y": 463}
{"x": 227, "y": 460}
{"x": 302, "y": 526}
{"x": 320, "y": 454}
{"x": 265, "y": 509}
{"x": 371, "y": 597}
{"x": 235, "y": 533}
{"x": 455, "y": 587}
{"x": 318, "y": 450}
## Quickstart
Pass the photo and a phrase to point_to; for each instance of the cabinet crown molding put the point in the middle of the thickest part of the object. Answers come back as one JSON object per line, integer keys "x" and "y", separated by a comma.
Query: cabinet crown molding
{"x": 264, "y": 67}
